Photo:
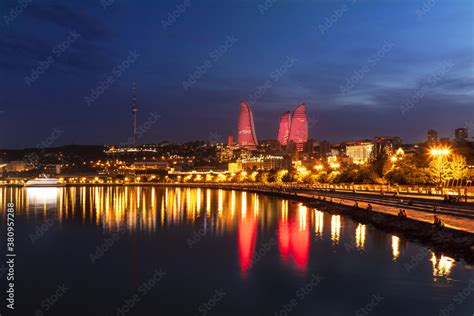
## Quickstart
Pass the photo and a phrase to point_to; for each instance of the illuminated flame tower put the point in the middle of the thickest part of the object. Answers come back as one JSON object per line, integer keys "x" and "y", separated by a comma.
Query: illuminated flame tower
{"x": 246, "y": 134}
{"x": 299, "y": 127}
{"x": 134, "y": 116}
{"x": 284, "y": 128}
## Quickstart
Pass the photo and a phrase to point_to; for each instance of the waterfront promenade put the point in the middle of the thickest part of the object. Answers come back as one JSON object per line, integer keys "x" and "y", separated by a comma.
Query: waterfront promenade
{"x": 458, "y": 216}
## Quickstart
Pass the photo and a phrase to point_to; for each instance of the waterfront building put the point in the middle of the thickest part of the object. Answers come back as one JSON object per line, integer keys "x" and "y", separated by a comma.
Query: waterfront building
{"x": 461, "y": 136}
{"x": 18, "y": 166}
{"x": 261, "y": 163}
{"x": 324, "y": 148}
{"x": 335, "y": 152}
{"x": 270, "y": 145}
{"x": 310, "y": 146}
{"x": 432, "y": 137}
{"x": 392, "y": 141}
{"x": 360, "y": 152}
{"x": 149, "y": 165}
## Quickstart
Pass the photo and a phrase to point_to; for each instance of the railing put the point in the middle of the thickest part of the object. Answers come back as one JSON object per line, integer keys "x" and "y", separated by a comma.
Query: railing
{"x": 375, "y": 188}
{"x": 413, "y": 189}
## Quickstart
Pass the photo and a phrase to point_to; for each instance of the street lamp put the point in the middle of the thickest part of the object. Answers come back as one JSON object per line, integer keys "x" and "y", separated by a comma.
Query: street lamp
{"x": 318, "y": 167}
{"x": 440, "y": 154}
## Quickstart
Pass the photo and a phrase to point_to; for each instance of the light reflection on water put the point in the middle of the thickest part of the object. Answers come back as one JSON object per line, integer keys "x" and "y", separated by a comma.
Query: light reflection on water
{"x": 335, "y": 228}
{"x": 148, "y": 209}
{"x": 395, "y": 247}
{"x": 360, "y": 236}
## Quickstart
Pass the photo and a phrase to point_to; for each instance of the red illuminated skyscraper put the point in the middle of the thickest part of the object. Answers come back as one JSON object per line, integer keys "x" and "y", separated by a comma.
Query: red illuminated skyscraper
{"x": 246, "y": 137}
{"x": 284, "y": 128}
{"x": 299, "y": 127}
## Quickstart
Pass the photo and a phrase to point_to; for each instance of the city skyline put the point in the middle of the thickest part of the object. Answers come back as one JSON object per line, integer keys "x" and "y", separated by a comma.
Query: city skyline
{"x": 358, "y": 82}
{"x": 247, "y": 137}
{"x": 237, "y": 157}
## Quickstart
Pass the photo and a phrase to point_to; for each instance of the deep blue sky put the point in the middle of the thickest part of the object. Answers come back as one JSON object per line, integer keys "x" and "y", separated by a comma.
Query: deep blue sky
{"x": 429, "y": 51}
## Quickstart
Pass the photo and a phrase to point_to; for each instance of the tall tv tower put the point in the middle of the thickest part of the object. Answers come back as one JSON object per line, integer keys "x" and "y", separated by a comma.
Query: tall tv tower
{"x": 134, "y": 116}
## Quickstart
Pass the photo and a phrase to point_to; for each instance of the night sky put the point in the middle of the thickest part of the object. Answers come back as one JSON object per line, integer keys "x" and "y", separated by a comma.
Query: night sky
{"x": 364, "y": 68}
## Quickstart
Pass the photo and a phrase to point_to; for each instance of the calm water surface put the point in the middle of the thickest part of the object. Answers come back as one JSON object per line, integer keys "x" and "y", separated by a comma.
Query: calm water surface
{"x": 178, "y": 251}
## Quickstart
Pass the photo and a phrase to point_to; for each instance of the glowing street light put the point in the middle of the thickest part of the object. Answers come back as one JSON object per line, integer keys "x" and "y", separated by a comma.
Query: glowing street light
{"x": 302, "y": 169}
{"x": 440, "y": 154}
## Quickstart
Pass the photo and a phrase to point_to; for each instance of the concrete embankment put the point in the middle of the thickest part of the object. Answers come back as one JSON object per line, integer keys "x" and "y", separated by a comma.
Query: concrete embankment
{"x": 454, "y": 243}
{"x": 451, "y": 242}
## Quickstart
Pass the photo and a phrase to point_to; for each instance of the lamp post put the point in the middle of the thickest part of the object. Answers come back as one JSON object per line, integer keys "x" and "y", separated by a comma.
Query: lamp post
{"x": 440, "y": 154}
